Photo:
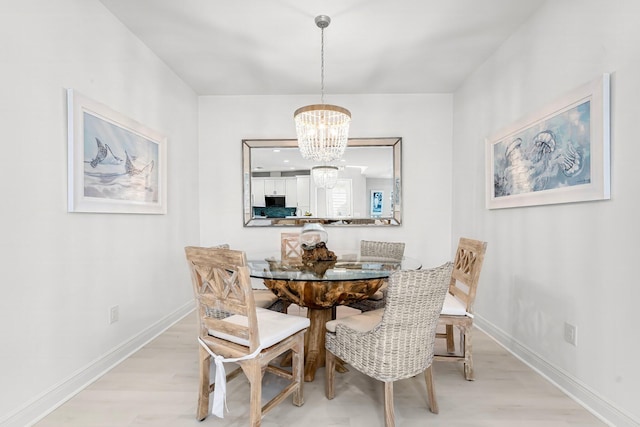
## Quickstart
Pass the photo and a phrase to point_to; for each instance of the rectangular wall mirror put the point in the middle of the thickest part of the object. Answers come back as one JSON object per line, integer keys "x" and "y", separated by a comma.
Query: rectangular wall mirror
{"x": 282, "y": 189}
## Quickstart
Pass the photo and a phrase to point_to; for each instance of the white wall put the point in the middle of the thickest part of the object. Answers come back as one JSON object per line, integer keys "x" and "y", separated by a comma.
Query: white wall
{"x": 423, "y": 121}
{"x": 573, "y": 263}
{"x": 60, "y": 272}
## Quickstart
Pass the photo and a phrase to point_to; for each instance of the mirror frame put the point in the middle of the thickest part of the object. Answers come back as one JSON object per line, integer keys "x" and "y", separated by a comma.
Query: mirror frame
{"x": 394, "y": 220}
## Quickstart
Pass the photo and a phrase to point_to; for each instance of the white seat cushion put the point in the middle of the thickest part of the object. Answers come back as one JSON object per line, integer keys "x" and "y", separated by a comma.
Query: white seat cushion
{"x": 264, "y": 298}
{"x": 453, "y": 306}
{"x": 273, "y": 327}
{"x": 359, "y": 322}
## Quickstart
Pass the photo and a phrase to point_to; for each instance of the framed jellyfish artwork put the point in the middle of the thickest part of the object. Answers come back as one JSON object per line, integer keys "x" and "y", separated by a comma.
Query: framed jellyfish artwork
{"x": 115, "y": 165}
{"x": 557, "y": 155}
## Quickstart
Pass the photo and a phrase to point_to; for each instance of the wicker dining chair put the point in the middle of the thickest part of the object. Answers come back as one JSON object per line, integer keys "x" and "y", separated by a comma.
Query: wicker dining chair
{"x": 377, "y": 249}
{"x": 396, "y": 342}
{"x": 457, "y": 311}
{"x": 371, "y": 248}
{"x": 232, "y": 329}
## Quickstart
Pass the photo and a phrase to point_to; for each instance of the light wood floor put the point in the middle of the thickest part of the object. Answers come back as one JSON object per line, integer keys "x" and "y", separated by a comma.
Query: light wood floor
{"x": 157, "y": 386}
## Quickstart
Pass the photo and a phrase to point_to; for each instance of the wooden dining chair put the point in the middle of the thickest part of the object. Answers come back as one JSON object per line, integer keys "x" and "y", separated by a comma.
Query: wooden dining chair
{"x": 396, "y": 342}
{"x": 232, "y": 329}
{"x": 263, "y": 297}
{"x": 290, "y": 249}
{"x": 378, "y": 249}
{"x": 457, "y": 311}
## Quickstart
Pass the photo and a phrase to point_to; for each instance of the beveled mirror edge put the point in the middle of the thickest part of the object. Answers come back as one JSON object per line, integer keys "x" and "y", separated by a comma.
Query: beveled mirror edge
{"x": 394, "y": 220}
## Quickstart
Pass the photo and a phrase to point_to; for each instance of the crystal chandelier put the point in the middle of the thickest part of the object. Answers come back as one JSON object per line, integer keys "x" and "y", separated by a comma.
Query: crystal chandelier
{"x": 322, "y": 129}
{"x": 325, "y": 176}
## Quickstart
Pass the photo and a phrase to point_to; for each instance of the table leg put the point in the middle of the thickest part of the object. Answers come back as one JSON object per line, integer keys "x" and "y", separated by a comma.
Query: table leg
{"x": 320, "y": 294}
{"x": 314, "y": 351}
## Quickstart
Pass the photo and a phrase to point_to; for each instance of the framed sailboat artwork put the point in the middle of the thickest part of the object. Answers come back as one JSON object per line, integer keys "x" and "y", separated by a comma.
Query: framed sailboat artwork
{"x": 116, "y": 165}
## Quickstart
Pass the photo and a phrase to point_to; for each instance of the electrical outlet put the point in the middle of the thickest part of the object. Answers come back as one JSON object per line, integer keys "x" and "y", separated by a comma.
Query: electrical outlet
{"x": 571, "y": 334}
{"x": 114, "y": 314}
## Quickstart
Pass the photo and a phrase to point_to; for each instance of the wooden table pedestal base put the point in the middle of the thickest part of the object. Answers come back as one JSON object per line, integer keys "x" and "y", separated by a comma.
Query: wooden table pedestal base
{"x": 319, "y": 297}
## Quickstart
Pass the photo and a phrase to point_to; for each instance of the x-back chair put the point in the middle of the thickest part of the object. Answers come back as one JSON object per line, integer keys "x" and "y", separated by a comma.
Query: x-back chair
{"x": 232, "y": 329}
{"x": 457, "y": 311}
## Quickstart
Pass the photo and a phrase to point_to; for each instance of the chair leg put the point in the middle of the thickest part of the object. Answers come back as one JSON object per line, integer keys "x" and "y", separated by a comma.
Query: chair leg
{"x": 204, "y": 386}
{"x": 431, "y": 392}
{"x": 389, "y": 417}
{"x": 468, "y": 358}
{"x": 254, "y": 373}
{"x": 451, "y": 347}
{"x": 297, "y": 369}
{"x": 329, "y": 375}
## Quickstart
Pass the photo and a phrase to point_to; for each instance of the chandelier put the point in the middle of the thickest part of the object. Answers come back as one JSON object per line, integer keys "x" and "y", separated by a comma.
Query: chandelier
{"x": 325, "y": 176}
{"x": 322, "y": 129}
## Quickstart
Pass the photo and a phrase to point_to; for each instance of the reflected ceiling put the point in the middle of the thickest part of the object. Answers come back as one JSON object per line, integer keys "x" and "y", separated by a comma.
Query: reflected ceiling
{"x": 371, "y": 161}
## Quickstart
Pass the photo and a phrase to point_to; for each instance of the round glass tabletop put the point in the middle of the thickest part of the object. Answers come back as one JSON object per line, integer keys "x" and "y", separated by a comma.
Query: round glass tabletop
{"x": 345, "y": 268}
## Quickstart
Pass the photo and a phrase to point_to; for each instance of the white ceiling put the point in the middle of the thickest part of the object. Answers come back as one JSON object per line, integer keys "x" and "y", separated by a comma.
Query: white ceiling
{"x": 272, "y": 47}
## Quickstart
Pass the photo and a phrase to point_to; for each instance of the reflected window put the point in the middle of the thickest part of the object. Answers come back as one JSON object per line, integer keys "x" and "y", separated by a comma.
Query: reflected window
{"x": 339, "y": 200}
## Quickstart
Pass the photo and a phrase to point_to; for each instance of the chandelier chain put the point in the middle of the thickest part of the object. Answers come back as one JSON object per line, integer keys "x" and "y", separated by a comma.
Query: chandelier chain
{"x": 322, "y": 65}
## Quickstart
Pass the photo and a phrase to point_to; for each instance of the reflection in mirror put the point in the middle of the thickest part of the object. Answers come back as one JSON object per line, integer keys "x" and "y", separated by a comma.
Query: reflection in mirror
{"x": 280, "y": 190}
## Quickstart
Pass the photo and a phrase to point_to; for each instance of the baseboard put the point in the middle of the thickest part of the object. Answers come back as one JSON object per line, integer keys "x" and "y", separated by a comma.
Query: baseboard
{"x": 40, "y": 406}
{"x": 571, "y": 386}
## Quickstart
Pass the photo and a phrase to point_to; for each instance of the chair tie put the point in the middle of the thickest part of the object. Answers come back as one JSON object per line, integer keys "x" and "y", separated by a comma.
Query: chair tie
{"x": 220, "y": 389}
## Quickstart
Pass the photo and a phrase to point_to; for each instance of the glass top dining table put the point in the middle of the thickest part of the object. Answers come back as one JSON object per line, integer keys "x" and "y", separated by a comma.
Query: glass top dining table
{"x": 345, "y": 268}
{"x": 320, "y": 286}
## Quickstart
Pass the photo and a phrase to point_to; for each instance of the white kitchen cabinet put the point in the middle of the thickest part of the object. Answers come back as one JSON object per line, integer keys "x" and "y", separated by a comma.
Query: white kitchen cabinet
{"x": 291, "y": 192}
{"x": 275, "y": 186}
{"x": 303, "y": 194}
{"x": 257, "y": 191}
{"x": 295, "y": 189}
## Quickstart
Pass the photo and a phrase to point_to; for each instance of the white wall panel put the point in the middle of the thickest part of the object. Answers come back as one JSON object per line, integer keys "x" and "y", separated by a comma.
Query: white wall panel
{"x": 573, "y": 263}
{"x": 60, "y": 271}
{"x": 423, "y": 121}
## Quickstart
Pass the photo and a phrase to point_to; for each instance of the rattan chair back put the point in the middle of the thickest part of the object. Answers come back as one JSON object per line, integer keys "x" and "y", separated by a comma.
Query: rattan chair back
{"x": 392, "y": 250}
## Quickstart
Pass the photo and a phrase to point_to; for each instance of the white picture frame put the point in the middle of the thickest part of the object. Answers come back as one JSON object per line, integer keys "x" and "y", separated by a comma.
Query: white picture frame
{"x": 559, "y": 154}
{"x": 115, "y": 164}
